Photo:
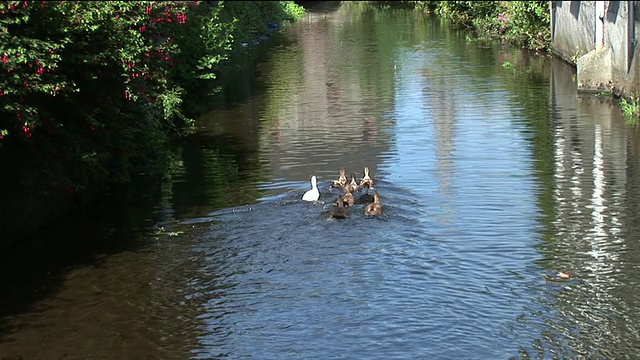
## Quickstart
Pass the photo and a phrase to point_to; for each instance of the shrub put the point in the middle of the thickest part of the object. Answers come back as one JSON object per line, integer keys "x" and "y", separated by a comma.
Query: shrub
{"x": 524, "y": 23}
{"x": 89, "y": 91}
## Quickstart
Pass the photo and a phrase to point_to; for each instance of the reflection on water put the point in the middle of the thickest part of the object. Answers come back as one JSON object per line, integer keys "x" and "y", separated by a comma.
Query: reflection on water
{"x": 493, "y": 180}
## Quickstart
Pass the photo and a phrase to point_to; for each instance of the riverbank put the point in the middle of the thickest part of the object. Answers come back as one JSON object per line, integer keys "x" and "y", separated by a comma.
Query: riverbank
{"x": 556, "y": 30}
{"x": 520, "y": 23}
{"x": 87, "y": 108}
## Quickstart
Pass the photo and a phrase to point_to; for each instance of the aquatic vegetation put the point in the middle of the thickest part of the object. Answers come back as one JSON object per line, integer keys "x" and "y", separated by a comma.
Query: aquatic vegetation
{"x": 631, "y": 110}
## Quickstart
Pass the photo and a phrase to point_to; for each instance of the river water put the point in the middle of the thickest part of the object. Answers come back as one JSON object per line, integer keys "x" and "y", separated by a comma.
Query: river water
{"x": 494, "y": 174}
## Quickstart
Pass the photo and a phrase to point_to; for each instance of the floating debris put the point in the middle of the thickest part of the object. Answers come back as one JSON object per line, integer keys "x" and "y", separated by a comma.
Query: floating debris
{"x": 563, "y": 275}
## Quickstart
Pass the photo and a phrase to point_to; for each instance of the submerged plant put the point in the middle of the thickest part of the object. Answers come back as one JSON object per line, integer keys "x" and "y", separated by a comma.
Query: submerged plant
{"x": 605, "y": 93}
{"x": 631, "y": 110}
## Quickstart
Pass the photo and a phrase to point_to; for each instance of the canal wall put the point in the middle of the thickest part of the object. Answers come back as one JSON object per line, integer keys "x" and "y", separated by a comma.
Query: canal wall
{"x": 600, "y": 39}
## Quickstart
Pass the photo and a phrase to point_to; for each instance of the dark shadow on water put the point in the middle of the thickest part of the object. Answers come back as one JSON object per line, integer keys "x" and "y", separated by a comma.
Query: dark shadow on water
{"x": 320, "y": 6}
{"x": 237, "y": 82}
{"x": 35, "y": 268}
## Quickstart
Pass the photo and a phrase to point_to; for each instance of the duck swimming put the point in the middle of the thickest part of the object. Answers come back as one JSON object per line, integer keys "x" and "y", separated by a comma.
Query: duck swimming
{"x": 314, "y": 193}
{"x": 365, "y": 198}
{"x": 374, "y": 208}
{"x": 342, "y": 180}
{"x": 348, "y": 198}
{"x": 339, "y": 211}
{"x": 353, "y": 185}
{"x": 366, "y": 181}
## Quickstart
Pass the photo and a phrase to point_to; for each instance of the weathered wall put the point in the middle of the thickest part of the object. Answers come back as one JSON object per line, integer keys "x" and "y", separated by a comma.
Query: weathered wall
{"x": 572, "y": 28}
{"x": 600, "y": 39}
{"x": 632, "y": 80}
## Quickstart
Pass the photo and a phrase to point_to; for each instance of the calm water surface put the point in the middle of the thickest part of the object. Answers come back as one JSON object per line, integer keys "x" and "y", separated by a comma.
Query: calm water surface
{"x": 494, "y": 178}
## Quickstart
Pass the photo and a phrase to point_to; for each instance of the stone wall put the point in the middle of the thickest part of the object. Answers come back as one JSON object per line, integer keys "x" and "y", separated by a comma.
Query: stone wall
{"x": 600, "y": 39}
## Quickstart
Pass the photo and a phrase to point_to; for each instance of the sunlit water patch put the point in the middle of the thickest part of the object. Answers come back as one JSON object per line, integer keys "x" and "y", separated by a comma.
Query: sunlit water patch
{"x": 285, "y": 280}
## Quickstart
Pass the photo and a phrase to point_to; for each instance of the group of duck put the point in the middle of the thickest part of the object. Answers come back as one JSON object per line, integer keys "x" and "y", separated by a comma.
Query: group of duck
{"x": 347, "y": 199}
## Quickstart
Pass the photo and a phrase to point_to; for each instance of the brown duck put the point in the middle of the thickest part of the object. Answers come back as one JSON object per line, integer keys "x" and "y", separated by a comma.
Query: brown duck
{"x": 348, "y": 198}
{"x": 342, "y": 180}
{"x": 353, "y": 185}
{"x": 374, "y": 208}
{"x": 339, "y": 211}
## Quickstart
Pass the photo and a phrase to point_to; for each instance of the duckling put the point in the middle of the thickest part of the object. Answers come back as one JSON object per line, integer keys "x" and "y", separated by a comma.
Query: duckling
{"x": 314, "y": 193}
{"x": 374, "y": 208}
{"x": 348, "y": 198}
{"x": 365, "y": 198}
{"x": 353, "y": 185}
{"x": 366, "y": 181}
{"x": 342, "y": 180}
{"x": 339, "y": 211}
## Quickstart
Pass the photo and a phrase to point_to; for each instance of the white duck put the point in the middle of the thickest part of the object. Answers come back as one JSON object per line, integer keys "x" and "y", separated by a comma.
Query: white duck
{"x": 314, "y": 193}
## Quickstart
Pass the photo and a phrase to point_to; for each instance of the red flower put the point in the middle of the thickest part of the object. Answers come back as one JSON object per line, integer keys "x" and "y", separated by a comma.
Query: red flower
{"x": 27, "y": 131}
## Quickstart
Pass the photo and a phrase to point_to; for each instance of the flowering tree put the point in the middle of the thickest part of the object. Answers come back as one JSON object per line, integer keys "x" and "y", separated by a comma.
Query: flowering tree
{"x": 88, "y": 88}
{"x": 61, "y": 52}
{"x": 87, "y": 84}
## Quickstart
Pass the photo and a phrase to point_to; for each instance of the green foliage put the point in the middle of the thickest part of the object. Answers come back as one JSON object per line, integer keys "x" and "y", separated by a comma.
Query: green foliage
{"x": 291, "y": 11}
{"x": 205, "y": 43}
{"x": 529, "y": 24}
{"x": 90, "y": 90}
{"x": 523, "y": 23}
{"x": 631, "y": 109}
{"x": 215, "y": 29}
{"x": 254, "y": 18}
{"x": 85, "y": 88}
{"x": 468, "y": 12}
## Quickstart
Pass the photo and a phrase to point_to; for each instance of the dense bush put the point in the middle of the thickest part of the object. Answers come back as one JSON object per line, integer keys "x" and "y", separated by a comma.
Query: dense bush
{"x": 90, "y": 90}
{"x": 525, "y": 23}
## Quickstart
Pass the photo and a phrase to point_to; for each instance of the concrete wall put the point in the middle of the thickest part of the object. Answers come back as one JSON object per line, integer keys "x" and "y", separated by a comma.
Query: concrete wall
{"x": 600, "y": 38}
{"x": 572, "y": 28}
